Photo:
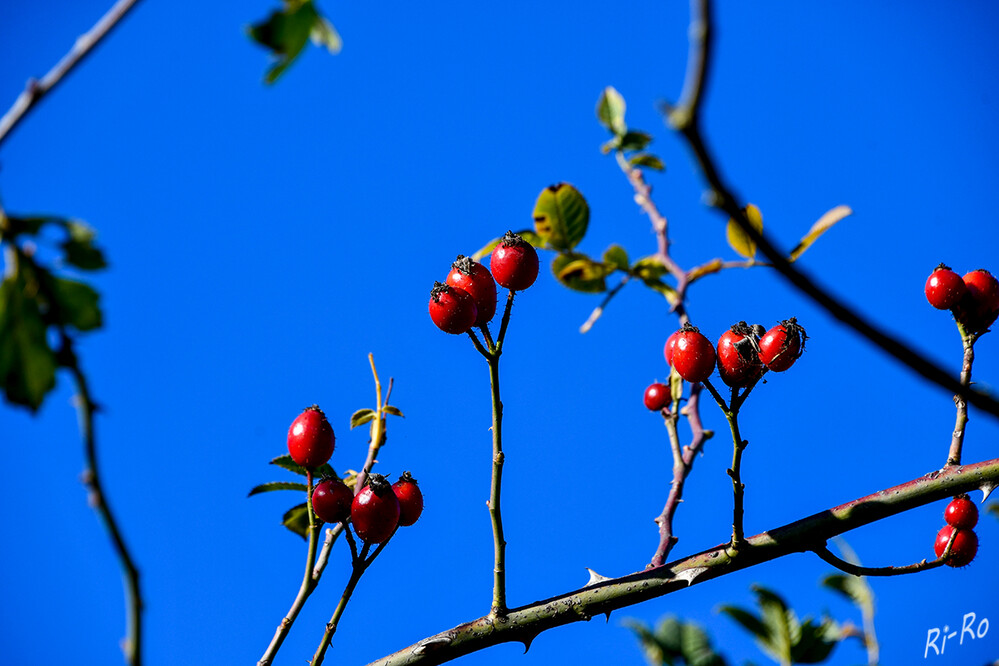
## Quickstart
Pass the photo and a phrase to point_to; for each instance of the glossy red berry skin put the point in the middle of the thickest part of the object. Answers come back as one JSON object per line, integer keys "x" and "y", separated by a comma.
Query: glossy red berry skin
{"x": 669, "y": 347}
{"x": 331, "y": 500}
{"x": 961, "y": 513}
{"x": 657, "y": 396}
{"x": 739, "y": 364}
{"x": 979, "y": 309}
{"x": 310, "y": 438}
{"x": 693, "y": 355}
{"x": 514, "y": 263}
{"x": 964, "y": 549}
{"x": 452, "y": 309}
{"x": 475, "y": 279}
{"x": 410, "y": 499}
{"x": 944, "y": 288}
{"x": 782, "y": 345}
{"x": 375, "y": 510}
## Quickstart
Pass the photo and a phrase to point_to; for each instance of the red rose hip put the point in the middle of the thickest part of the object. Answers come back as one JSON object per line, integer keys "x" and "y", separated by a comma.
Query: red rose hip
{"x": 739, "y": 363}
{"x": 331, "y": 500}
{"x": 476, "y": 280}
{"x": 514, "y": 262}
{"x": 310, "y": 438}
{"x": 964, "y": 549}
{"x": 693, "y": 355}
{"x": 657, "y": 396}
{"x": 944, "y": 288}
{"x": 782, "y": 345}
{"x": 452, "y": 309}
{"x": 980, "y": 307}
{"x": 961, "y": 513}
{"x": 669, "y": 347}
{"x": 375, "y": 510}
{"x": 410, "y": 499}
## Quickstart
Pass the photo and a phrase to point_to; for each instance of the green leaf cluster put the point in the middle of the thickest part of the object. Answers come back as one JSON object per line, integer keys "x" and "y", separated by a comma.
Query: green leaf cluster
{"x": 745, "y": 246}
{"x": 610, "y": 113}
{"x": 676, "y": 643}
{"x": 781, "y": 635}
{"x": 287, "y": 30}
{"x": 36, "y": 300}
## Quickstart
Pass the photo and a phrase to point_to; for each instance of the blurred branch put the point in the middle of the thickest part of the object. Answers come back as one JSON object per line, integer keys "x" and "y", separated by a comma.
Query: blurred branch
{"x": 35, "y": 90}
{"x": 685, "y": 118}
{"x": 525, "y": 623}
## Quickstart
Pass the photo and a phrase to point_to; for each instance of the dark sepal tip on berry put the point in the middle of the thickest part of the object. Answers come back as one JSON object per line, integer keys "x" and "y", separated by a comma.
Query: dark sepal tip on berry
{"x": 452, "y": 309}
{"x": 739, "y": 362}
{"x": 478, "y": 282}
{"x": 375, "y": 510}
{"x": 514, "y": 262}
{"x": 782, "y": 345}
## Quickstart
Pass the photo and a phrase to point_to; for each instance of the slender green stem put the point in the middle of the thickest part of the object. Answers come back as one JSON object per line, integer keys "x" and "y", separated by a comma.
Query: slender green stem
{"x": 360, "y": 565}
{"x": 308, "y": 583}
{"x": 856, "y": 570}
{"x": 738, "y": 487}
{"x": 957, "y": 438}
{"x": 505, "y": 322}
{"x": 499, "y": 543}
{"x": 478, "y": 345}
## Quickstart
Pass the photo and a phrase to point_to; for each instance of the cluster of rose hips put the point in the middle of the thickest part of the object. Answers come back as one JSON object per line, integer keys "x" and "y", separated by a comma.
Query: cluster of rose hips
{"x": 961, "y": 516}
{"x": 974, "y": 298}
{"x": 467, "y": 297}
{"x": 376, "y": 510}
{"x": 742, "y": 355}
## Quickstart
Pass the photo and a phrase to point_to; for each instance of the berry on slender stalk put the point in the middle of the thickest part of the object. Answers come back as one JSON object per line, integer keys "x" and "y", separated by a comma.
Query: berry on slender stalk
{"x": 514, "y": 262}
{"x": 310, "y": 438}
{"x": 375, "y": 510}
{"x": 410, "y": 499}
{"x": 693, "y": 355}
{"x": 944, "y": 288}
{"x": 739, "y": 362}
{"x": 331, "y": 500}
{"x": 961, "y": 513}
{"x": 657, "y": 396}
{"x": 475, "y": 279}
{"x": 782, "y": 345}
{"x": 452, "y": 309}
{"x": 964, "y": 549}
{"x": 980, "y": 306}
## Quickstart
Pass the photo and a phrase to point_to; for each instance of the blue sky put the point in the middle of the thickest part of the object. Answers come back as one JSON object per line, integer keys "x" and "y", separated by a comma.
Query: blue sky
{"x": 263, "y": 240}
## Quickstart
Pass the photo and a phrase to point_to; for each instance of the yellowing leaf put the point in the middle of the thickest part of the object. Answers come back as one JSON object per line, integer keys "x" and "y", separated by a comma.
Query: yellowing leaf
{"x": 710, "y": 267}
{"x": 824, "y": 224}
{"x": 561, "y": 216}
{"x": 738, "y": 238}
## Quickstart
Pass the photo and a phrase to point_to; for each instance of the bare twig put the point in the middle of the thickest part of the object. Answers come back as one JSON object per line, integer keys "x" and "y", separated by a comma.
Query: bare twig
{"x": 35, "y": 90}
{"x": 685, "y": 118}
{"x": 856, "y": 570}
{"x": 525, "y": 623}
{"x": 957, "y": 438}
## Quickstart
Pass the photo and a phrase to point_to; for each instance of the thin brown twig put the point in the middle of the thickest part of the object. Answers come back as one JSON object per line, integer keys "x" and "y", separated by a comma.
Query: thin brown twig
{"x": 856, "y": 570}
{"x": 35, "y": 90}
{"x": 957, "y": 437}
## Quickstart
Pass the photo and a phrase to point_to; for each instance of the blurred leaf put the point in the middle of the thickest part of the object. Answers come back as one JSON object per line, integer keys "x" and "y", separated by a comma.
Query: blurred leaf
{"x": 30, "y": 225}
{"x": 854, "y": 588}
{"x": 824, "y": 224}
{"x": 738, "y": 238}
{"x": 651, "y": 647}
{"x": 395, "y": 411}
{"x": 668, "y": 635}
{"x": 993, "y": 508}
{"x": 360, "y": 417}
{"x": 580, "y": 273}
{"x": 287, "y": 463}
{"x": 650, "y": 269}
{"x": 635, "y": 140}
{"x": 815, "y": 643}
{"x": 675, "y": 642}
{"x": 277, "y": 485}
{"x": 27, "y": 363}
{"x": 296, "y": 519}
{"x": 561, "y": 216}
{"x": 79, "y": 247}
{"x": 647, "y": 160}
{"x": 526, "y": 234}
{"x": 696, "y": 647}
{"x": 749, "y": 622}
{"x": 75, "y": 304}
{"x": 696, "y": 273}
{"x": 616, "y": 256}
{"x": 610, "y": 111}
{"x": 286, "y": 32}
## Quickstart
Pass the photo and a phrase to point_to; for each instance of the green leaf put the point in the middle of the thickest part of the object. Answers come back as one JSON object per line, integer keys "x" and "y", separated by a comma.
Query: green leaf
{"x": 286, "y": 32}
{"x": 647, "y": 160}
{"x": 668, "y": 634}
{"x": 650, "y": 645}
{"x": 580, "y": 273}
{"x": 815, "y": 642}
{"x": 823, "y": 225}
{"x": 79, "y": 248}
{"x": 616, "y": 256}
{"x": 749, "y": 622}
{"x": 649, "y": 268}
{"x": 610, "y": 111}
{"x": 395, "y": 411}
{"x": 30, "y": 225}
{"x": 27, "y": 363}
{"x": 526, "y": 234}
{"x": 695, "y": 647}
{"x": 696, "y": 273}
{"x": 75, "y": 304}
{"x": 287, "y": 463}
{"x": 635, "y": 140}
{"x": 324, "y": 34}
{"x": 296, "y": 519}
{"x": 561, "y": 216}
{"x": 360, "y": 417}
{"x": 854, "y": 588}
{"x": 277, "y": 485}
{"x": 738, "y": 238}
